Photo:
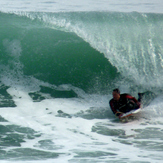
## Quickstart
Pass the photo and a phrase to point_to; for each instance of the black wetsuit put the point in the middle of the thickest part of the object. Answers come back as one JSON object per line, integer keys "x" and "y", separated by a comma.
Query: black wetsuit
{"x": 125, "y": 104}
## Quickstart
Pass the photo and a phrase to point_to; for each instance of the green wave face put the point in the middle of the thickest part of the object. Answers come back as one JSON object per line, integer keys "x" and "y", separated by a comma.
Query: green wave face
{"x": 89, "y": 50}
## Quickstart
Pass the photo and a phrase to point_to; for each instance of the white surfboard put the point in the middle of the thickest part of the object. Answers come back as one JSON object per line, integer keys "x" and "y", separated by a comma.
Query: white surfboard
{"x": 130, "y": 113}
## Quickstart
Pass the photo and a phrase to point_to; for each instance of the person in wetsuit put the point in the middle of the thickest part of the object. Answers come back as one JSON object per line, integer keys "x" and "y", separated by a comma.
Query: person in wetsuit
{"x": 123, "y": 103}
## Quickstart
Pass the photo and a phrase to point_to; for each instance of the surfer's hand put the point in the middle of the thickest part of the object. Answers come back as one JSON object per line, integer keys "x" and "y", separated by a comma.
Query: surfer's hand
{"x": 118, "y": 114}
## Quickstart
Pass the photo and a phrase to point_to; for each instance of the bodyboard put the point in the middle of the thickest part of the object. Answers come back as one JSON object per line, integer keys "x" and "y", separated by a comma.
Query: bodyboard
{"x": 130, "y": 113}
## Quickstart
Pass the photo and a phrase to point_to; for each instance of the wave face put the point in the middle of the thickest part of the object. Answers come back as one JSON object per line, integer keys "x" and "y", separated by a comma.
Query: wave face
{"x": 33, "y": 48}
{"x": 84, "y": 49}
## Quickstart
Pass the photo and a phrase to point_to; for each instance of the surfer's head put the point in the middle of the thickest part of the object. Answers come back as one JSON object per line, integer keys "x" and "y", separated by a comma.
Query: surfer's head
{"x": 116, "y": 94}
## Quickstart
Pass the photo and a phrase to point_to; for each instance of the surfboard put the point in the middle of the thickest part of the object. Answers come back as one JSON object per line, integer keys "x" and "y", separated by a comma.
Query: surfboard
{"x": 130, "y": 113}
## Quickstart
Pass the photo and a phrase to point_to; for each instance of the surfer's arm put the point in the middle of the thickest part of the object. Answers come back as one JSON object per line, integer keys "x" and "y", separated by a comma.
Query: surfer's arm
{"x": 134, "y": 100}
{"x": 114, "y": 110}
{"x": 112, "y": 106}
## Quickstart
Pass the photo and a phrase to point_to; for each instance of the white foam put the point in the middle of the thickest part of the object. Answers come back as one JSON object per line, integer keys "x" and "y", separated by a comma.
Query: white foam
{"x": 74, "y": 135}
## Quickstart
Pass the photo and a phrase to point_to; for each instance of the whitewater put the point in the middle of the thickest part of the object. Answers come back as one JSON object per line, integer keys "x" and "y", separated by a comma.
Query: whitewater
{"x": 60, "y": 61}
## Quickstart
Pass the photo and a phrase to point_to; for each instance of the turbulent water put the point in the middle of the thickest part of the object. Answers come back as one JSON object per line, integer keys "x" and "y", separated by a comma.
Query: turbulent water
{"x": 57, "y": 72}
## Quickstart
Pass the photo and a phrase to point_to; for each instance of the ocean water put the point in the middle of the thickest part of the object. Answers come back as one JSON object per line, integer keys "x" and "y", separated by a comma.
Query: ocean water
{"x": 60, "y": 61}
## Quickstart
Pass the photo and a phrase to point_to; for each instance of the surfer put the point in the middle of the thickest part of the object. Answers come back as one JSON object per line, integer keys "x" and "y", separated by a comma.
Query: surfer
{"x": 123, "y": 103}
